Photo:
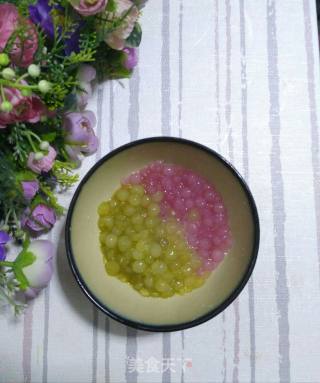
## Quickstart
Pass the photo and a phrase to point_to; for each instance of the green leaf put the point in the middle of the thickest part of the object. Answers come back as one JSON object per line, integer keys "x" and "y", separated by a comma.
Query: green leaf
{"x": 134, "y": 40}
{"x": 50, "y": 137}
{"x": 21, "y": 278}
{"x": 24, "y": 259}
{"x": 111, "y": 6}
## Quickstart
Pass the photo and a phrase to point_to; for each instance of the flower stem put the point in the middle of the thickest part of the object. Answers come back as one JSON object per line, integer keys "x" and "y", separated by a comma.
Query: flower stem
{"x": 3, "y": 96}
{"x": 6, "y": 263}
{"x": 21, "y": 78}
{"x": 34, "y": 135}
{"x": 29, "y": 134}
{"x": 7, "y": 217}
{"x": 12, "y": 84}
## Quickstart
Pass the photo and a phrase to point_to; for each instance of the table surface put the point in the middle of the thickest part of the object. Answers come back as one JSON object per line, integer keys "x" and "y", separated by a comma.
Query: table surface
{"x": 243, "y": 78}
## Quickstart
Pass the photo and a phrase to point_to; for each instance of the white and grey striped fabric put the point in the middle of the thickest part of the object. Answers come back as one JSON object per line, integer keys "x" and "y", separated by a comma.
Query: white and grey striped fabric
{"x": 243, "y": 78}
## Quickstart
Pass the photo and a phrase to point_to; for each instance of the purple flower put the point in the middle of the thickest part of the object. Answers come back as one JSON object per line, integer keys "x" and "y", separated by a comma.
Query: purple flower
{"x": 88, "y": 7}
{"x": 86, "y": 73}
{"x": 40, "y": 271}
{"x": 44, "y": 164}
{"x": 131, "y": 58}
{"x": 40, "y": 14}
{"x": 72, "y": 41}
{"x": 30, "y": 189}
{"x": 79, "y": 131}
{"x": 74, "y": 153}
{"x": 85, "y": 76}
{"x": 39, "y": 220}
{"x": 4, "y": 238}
{"x": 128, "y": 14}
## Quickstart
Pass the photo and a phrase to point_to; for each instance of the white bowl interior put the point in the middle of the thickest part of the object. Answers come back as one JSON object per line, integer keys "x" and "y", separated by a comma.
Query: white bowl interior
{"x": 120, "y": 297}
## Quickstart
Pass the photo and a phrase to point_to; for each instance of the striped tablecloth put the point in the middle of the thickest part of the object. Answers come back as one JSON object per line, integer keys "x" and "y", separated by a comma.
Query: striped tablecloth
{"x": 243, "y": 78}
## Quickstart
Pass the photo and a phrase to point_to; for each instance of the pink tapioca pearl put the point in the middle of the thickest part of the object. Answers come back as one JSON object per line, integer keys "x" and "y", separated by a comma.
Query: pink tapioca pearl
{"x": 209, "y": 265}
{"x": 217, "y": 255}
{"x": 135, "y": 178}
{"x": 210, "y": 195}
{"x": 186, "y": 193}
{"x": 226, "y": 244}
{"x": 189, "y": 203}
{"x": 179, "y": 208}
{"x": 219, "y": 208}
{"x": 191, "y": 179}
{"x": 192, "y": 227}
{"x": 168, "y": 170}
{"x": 193, "y": 240}
{"x": 216, "y": 241}
{"x": 151, "y": 188}
{"x": 167, "y": 184}
{"x": 218, "y": 219}
{"x": 204, "y": 244}
{"x": 200, "y": 202}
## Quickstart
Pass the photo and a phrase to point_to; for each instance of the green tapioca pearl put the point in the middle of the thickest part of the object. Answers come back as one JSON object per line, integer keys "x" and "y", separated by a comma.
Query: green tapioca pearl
{"x": 130, "y": 231}
{"x": 116, "y": 230}
{"x": 113, "y": 204}
{"x": 111, "y": 241}
{"x": 158, "y": 267}
{"x": 157, "y": 197}
{"x": 143, "y": 246}
{"x": 124, "y": 243}
{"x": 123, "y": 261}
{"x": 153, "y": 209}
{"x": 171, "y": 254}
{"x": 122, "y": 194}
{"x": 149, "y": 254}
{"x": 144, "y": 292}
{"x": 129, "y": 210}
{"x": 148, "y": 281}
{"x": 138, "y": 190}
{"x": 112, "y": 267}
{"x": 151, "y": 222}
{"x": 145, "y": 201}
{"x": 102, "y": 222}
{"x": 136, "y": 254}
{"x": 134, "y": 199}
{"x": 137, "y": 220}
{"x": 178, "y": 284}
{"x": 104, "y": 208}
{"x": 187, "y": 269}
{"x": 138, "y": 266}
{"x": 155, "y": 250}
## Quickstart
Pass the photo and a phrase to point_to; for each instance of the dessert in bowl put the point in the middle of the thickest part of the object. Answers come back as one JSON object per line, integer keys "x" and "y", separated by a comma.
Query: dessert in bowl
{"x": 162, "y": 234}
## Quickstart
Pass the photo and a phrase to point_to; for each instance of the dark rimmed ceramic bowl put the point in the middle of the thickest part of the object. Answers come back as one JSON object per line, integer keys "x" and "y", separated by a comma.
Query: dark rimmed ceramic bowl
{"x": 119, "y": 300}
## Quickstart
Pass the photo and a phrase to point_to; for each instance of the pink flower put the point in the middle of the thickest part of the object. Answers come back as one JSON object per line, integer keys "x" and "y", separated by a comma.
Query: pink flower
{"x": 40, "y": 271}
{"x": 88, "y": 7}
{"x": 80, "y": 133}
{"x": 30, "y": 189}
{"x": 24, "y": 49}
{"x": 8, "y": 21}
{"x": 25, "y": 109}
{"x": 39, "y": 220}
{"x": 131, "y": 58}
{"x": 43, "y": 165}
{"x": 85, "y": 76}
{"x": 124, "y": 9}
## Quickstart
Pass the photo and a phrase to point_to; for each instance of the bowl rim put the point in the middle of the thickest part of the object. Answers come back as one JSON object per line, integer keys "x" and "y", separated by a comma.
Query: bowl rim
{"x": 167, "y": 327}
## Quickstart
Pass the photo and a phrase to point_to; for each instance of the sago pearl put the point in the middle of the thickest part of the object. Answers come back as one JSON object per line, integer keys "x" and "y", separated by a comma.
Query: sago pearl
{"x": 164, "y": 230}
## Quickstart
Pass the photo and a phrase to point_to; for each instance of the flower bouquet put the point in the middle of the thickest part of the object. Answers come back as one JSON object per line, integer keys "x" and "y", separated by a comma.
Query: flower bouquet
{"x": 51, "y": 51}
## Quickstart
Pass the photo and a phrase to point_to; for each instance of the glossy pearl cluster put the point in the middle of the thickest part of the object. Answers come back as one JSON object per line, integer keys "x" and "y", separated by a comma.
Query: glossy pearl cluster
{"x": 164, "y": 230}
{"x": 196, "y": 204}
